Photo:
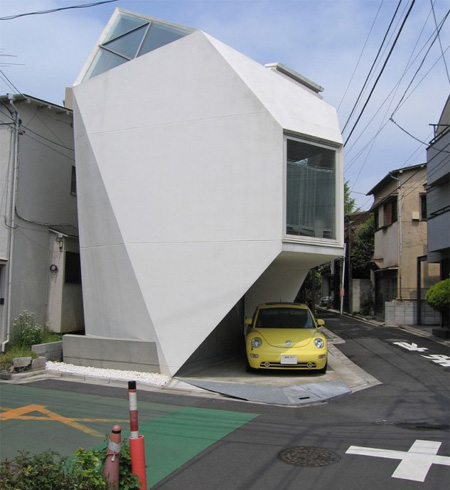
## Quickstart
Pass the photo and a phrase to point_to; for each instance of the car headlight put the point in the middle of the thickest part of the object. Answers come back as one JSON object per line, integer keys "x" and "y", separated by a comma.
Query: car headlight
{"x": 319, "y": 343}
{"x": 256, "y": 342}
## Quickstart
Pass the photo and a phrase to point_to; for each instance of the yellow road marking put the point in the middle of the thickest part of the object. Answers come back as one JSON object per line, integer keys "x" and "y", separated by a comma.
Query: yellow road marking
{"x": 22, "y": 413}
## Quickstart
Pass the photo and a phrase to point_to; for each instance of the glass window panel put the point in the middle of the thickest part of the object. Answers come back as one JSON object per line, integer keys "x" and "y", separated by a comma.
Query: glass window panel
{"x": 284, "y": 318}
{"x": 128, "y": 44}
{"x": 310, "y": 190}
{"x": 122, "y": 25}
{"x": 103, "y": 61}
{"x": 158, "y": 36}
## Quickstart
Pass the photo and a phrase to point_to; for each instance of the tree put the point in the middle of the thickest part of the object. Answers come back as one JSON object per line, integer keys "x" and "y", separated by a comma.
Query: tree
{"x": 438, "y": 297}
{"x": 362, "y": 249}
{"x": 349, "y": 203}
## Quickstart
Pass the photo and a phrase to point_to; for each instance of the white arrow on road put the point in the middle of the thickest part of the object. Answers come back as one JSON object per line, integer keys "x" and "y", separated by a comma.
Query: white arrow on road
{"x": 414, "y": 464}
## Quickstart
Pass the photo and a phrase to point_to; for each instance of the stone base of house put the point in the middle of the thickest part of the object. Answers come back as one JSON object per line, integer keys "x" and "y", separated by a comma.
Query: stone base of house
{"x": 52, "y": 351}
{"x": 405, "y": 313}
{"x": 106, "y": 353}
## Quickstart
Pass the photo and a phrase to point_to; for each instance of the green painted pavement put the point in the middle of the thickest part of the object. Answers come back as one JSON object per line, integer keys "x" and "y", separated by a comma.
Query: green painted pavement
{"x": 35, "y": 419}
{"x": 173, "y": 440}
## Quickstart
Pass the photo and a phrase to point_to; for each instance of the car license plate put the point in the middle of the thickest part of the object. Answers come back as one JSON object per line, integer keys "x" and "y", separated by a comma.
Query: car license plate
{"x": 288, "y": 359}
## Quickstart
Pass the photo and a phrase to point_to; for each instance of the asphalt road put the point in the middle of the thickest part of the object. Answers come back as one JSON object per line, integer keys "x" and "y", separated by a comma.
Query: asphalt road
{"x": 391, "y": 436}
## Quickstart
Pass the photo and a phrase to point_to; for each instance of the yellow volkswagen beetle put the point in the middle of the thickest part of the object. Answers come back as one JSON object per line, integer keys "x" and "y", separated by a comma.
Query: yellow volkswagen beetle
{"x": 285, "y": 336}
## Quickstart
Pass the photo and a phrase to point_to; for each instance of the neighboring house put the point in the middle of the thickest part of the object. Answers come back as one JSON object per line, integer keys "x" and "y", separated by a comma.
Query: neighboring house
{"x": 438, "y": 194}
{"x": 400, "y": 240}
{"x": 207, "y": 183}
{"x": 39, "y": 254}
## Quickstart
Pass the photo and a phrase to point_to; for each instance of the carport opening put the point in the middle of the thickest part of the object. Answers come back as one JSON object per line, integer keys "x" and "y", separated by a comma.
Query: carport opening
{"x": 225, "y": 342}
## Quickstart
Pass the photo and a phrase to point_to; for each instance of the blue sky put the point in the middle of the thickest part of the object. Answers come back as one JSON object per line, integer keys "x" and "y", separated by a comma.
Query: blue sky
{"x": 332, "y": 42}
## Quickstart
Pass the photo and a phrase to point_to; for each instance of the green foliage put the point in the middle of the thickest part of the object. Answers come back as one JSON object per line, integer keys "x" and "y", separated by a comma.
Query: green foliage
{"x": 50, "y": 471}
{"x": 438, "y": 297}
{"x": 128, "y": 481}
{"x": 349, "y": 203}
{"x": 367, "y": 304}
{"x": 6, "y": 359}
{"x": 26, "y": 331}
{"x": 362, "y": 249}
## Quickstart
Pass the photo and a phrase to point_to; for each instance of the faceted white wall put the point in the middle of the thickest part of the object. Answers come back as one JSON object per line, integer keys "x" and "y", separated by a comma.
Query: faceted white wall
{"x": 181, "y": 195}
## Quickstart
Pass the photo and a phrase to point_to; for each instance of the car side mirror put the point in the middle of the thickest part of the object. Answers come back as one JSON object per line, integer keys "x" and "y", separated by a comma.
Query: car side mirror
{"x": 320, "y": 323}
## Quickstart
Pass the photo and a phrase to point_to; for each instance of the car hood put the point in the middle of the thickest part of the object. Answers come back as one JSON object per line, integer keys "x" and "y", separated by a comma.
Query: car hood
{"x": 277, "y": 337}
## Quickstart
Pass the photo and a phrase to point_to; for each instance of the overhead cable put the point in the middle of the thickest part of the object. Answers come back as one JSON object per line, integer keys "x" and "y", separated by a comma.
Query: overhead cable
{"x": 373, "y": 65}
{"x": 381, "y": 72}
{"x": 440, "y": 42}
{"x": 51, "y": 11}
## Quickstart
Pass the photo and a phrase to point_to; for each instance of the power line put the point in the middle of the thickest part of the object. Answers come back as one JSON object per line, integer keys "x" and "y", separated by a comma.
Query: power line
{"x": 51, "y": 11}
{"x": 440, "y": 42}
{"x": 373, "y": 65}
{"x": 359, "y": 59}
{"x": 381, "y": 72}
{"x": 8, "y": 82}
{"x": 438, "y": 29}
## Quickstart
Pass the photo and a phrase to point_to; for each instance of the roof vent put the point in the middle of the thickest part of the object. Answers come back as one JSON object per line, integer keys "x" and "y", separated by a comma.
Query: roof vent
{"x": 295, "y": 76}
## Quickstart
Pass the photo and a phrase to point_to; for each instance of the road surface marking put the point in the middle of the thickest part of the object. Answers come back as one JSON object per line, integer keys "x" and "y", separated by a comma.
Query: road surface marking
{"x": 22, "y": 413}
{"x": 411, "y": 347}
{"x": 439, "y": 359}
{"x": 414, "y": 464}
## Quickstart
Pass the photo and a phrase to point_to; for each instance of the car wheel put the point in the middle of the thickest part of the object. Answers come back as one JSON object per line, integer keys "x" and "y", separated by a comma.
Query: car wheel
{"x": 324, "y": 369}
{"x": 248, "y": 368}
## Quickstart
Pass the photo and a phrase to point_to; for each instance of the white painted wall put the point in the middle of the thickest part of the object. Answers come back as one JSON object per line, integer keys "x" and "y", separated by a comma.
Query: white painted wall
{"x": 181, "y": 191}
{"x": 43, "y": 199}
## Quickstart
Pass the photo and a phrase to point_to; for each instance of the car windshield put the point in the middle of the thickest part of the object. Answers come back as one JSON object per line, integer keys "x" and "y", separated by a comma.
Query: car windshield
{"x": 284, "y": 318}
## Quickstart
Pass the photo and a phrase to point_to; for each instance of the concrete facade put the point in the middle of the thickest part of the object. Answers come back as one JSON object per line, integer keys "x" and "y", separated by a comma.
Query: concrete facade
{"x": 438, "y": 194}
{"x": 181, "y": 166}
{"x": 39, "y": 215}
{"x": 400, "y": 238}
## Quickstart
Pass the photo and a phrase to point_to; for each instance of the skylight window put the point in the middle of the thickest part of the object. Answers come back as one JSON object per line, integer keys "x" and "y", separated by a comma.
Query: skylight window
{"x": 130, "y": 37}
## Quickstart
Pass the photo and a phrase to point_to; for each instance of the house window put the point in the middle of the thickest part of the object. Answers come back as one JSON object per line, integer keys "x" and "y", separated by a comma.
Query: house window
{"x": 310, "y": 190}
{"x": 423, "y": 207}
{"x": 390, "y": 213}
{"x": 73, "y": 182}
{"x": 73, "y": 268}
{"x": 376, "y": 219}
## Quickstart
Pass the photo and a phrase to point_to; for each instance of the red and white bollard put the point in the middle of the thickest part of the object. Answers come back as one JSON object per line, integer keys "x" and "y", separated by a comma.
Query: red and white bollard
{"x": 137, "y": 448}
{"x": 111, "y": 467}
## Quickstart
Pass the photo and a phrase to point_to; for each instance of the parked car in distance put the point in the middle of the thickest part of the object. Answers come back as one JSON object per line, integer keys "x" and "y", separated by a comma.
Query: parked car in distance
{"x": 325, "y": 301}
{"x": 285, "y": 336}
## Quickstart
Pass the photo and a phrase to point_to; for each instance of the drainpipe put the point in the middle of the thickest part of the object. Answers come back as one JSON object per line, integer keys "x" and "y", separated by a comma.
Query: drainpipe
{"x": 12, "y": 219}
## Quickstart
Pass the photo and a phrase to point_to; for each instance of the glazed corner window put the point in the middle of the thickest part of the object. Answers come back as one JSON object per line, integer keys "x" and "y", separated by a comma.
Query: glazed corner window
{"x": 73, "y": 182}
{"x": 310, "y": 190}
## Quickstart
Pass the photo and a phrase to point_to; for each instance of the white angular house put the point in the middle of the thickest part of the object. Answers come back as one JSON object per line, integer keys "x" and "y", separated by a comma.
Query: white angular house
{"x": 207, "y": 183}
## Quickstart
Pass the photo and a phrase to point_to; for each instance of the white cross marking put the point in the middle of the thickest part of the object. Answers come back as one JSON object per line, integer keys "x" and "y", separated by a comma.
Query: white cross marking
{"x": 414, "y": 464}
